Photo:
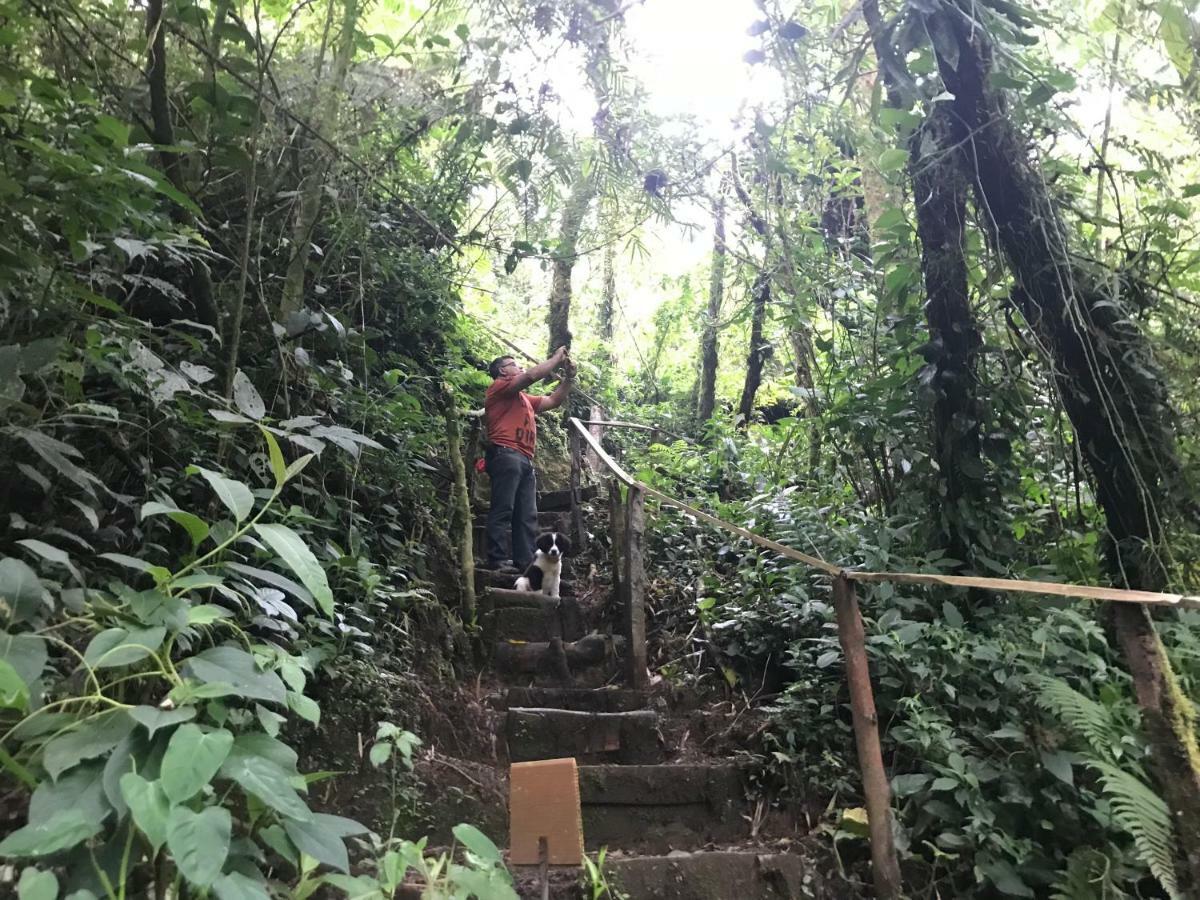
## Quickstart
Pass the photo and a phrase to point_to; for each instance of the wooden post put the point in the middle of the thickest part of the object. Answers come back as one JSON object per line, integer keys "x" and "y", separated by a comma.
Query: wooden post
{"x": 616, "y": 527}
{"x": 470, "y": 454}
{"x": 884, "y": 865}
{"x": 593, "y": 459}
{"x": 576, "y": 450}
{"x": 636, "y": 673}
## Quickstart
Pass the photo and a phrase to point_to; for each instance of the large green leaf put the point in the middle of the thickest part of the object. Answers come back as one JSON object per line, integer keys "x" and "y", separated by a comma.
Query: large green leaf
{"x": 357, "y": 887}
{"x": 61, "y": 831}
{"x": 20, "y": 591}
{"x": 131, "y": 755}
{"x": 478, "y": 844}
{"x": 149, "y": 805}
{"x": 122, "y": 647}
{"x": 235, "y": 667}
{"x": 152, "y": 718}
{"x": 196, "y": 527}
{"x": 494, "y": 883}
{"x": 278, "y": 464}
{"x": 26, "y": 653}
{"x": 192, "y": 759}
{"x": 255, "y": 743}
{"x": 235, "y": 495}
{"x": 319, "y": 841}
{"x": 199, "y": 842}
{"x": 14, "y": 692}
{"x": 82, "y": 788}
{"x": 37, "y": 885}
{"x": 275, "y": 580}
{"x": 95, "y": 737}
{"x": 160, "y": 574}
{"x": 236, "y": 886}
{"x": 53, "y": 554}
{"x": 269, "y": 782}
{"x": 153, "y": 607}
{"x": 892, "y": 160}
{"x": 293, "y": 551}
{"x": 206, "y": 614}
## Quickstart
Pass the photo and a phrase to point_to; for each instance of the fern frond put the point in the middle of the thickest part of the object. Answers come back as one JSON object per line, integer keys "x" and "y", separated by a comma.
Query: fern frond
{"x": 1145, "y": 817}
{"x": 1092, "y": 721}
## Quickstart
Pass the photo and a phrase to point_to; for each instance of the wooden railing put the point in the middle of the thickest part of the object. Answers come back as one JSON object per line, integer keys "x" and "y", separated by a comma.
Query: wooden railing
{"x": 628, "y": 521}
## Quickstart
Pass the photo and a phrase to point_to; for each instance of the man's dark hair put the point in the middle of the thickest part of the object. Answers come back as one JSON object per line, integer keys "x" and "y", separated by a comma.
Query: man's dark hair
{"x": 495, "y": 364}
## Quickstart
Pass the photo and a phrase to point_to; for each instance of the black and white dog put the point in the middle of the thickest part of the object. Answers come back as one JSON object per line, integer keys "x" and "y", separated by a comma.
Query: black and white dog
{"x": 545, "y": 572}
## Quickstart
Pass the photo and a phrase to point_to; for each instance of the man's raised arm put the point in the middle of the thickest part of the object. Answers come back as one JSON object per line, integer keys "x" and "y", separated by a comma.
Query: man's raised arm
{"x": 562, "y": 392}
{"x": 536, "y": 373}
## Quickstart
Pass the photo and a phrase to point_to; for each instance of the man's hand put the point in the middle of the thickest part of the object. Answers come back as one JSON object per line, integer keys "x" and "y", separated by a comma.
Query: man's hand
{"x": 535, "y": 374}
{"x": 565, "y": 384}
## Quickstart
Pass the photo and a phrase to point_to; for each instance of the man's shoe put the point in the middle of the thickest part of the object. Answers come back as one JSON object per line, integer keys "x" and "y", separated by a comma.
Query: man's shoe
{"x": 503, "y": 566}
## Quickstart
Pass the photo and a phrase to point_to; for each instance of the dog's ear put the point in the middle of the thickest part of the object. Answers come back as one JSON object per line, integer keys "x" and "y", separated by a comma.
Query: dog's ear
{"x": 564, "y": 543}
{"x": 544, "y": 541}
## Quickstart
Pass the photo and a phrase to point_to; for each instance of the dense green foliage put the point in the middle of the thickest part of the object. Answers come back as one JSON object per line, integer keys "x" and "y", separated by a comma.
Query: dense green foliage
{"x": 246, "y": 249}
{"x": 203, "y": 515}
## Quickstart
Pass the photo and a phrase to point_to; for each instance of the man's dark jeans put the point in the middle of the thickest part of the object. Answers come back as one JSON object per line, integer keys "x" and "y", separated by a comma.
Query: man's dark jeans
{"x": 514, "y": 505}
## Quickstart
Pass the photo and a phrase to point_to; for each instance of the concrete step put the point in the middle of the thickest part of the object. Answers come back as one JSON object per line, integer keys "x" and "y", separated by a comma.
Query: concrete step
{"x": 714, "y": 875}
{"x": 529, "y": 616}
{"x": 581, "y": 699}
{"x": 629, "y": 738}
{"x": 659, "y": 808}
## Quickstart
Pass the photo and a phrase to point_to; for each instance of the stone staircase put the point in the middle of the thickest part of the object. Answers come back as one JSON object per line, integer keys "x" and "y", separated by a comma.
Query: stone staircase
{"x": 672, "y": 828}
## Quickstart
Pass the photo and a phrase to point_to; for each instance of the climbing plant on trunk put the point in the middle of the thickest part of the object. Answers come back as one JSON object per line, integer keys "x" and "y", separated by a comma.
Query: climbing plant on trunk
{"x": 565, "y": 254}
{"x": 939, "y": 186}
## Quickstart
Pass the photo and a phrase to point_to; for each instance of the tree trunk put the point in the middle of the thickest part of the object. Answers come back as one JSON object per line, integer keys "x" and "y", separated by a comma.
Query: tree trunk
{"x": 940, "y": 198}
{"x": 325, "y": 100}
{"x": 760, "y": 350}
{"x": 199, "y": 281}
{"x": 564, "y": 260}
{"x": 716, "y": 294}
{"x": 1112, "y": 392}
{"x": 940, "y": 192}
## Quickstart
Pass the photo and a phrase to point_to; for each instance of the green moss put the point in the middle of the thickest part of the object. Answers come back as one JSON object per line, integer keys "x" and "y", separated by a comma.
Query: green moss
{"x": 1180, "y": 713}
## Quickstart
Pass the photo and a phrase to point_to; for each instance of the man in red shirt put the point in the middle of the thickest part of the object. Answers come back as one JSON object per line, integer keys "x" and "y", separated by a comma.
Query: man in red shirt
{"x": 512, "y": 439}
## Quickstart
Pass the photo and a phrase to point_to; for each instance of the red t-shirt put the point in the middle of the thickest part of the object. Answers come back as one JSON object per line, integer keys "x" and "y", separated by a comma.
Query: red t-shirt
{"x": 511, "y": 418}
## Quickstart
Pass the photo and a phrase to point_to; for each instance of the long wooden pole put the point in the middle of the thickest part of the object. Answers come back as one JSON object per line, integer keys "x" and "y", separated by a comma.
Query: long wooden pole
{"x": 654, "y": 429}
{"x": 884, "y": 865}
{"x": 1009, "y": 585}
{"x": 636, "y": 673}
